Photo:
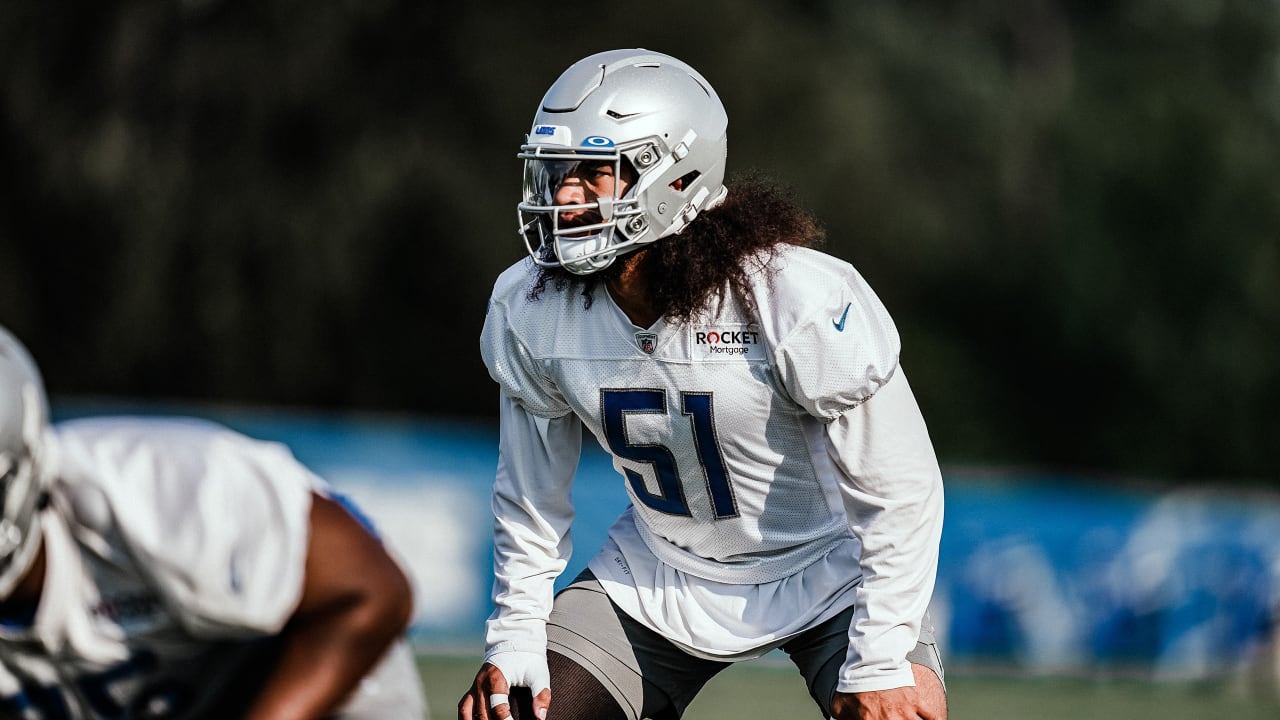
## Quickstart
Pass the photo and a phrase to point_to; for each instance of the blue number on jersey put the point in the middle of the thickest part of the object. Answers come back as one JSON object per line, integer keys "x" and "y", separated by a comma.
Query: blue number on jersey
{"x": 616, "y": 405}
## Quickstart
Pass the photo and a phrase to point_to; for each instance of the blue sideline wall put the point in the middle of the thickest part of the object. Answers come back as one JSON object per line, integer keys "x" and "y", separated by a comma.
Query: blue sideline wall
{"x": 1047, "y": 573}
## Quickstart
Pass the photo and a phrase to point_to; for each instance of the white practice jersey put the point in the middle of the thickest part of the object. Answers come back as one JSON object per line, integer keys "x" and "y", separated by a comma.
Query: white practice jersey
{"x": 175, "y": 550}
{"x": 777, "y": 466}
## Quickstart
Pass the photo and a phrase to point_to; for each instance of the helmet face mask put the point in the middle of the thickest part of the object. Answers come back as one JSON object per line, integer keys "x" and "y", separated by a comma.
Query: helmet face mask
{"x": 660, "y": 126}
{"x": 24, "y": 423}
{"x": 602, "y": 226}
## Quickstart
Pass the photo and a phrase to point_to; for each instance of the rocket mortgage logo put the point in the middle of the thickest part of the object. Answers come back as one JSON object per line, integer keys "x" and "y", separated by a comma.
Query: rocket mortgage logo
{"x": 727, "y": 341}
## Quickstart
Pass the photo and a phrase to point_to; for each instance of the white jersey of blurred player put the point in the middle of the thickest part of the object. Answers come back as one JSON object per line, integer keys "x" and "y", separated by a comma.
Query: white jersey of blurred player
{"x": 175, "y": 551}
{"x": 765, "y": 497}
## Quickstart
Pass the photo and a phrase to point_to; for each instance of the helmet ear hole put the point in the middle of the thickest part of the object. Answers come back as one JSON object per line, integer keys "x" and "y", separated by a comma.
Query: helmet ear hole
{"x": 684, "y": 181}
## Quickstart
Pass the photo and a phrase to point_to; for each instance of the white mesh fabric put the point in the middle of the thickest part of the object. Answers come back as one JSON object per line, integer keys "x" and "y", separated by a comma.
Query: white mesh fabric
{"x": 836, "y": 343}
{"x": 725, "y": 411}
{"x": 503, "y": 346}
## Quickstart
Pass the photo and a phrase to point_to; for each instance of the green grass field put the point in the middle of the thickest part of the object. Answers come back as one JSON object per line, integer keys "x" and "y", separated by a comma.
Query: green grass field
{"x": 773, "y": 691}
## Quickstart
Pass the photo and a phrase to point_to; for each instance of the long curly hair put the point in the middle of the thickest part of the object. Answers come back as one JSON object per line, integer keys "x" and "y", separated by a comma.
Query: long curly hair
{"x": 725, "y": 245}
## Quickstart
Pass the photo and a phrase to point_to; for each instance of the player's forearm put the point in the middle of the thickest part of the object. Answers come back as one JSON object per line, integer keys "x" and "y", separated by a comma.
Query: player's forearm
{"x": 516, "y": 632}
{"x": 526, "y": 565}
{"x": 877, "y": 655}
{"x": 899, "y": 564}
{"x": 355, "y": 603}
{"x": 323, "y": 660}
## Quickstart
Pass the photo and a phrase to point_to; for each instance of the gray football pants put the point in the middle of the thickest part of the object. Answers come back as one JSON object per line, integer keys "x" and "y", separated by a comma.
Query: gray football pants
{"x": 650, "y": 677}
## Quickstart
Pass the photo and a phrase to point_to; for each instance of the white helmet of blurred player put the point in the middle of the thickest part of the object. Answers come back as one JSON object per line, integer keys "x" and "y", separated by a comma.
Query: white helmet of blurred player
{"x": 655, "y": 119}
{"x": 24, "y": 421}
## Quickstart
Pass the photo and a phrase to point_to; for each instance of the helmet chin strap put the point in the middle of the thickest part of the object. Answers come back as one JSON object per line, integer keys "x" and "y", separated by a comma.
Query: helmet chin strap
{"x": 579, "y": 255}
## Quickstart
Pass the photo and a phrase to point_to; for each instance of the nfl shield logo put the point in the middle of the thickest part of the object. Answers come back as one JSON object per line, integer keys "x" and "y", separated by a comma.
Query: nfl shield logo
{"x": 646, "y": 341}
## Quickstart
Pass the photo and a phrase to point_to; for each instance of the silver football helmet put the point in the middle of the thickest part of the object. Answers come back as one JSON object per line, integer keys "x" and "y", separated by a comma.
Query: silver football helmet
{"x": 24, "y": 423}
{"x": 661, "y": 126}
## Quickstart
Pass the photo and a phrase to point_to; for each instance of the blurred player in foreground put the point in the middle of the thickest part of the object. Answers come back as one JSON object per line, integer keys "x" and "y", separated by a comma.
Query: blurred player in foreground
{"x": 784, "y": 490}
{"x": 167, "y": 568}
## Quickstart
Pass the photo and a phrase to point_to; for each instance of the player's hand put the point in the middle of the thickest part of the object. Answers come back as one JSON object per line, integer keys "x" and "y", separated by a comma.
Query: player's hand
{"x": 488, "y": 697}
{"x": 924, "y": 701}
{"x": 895, "y": 704}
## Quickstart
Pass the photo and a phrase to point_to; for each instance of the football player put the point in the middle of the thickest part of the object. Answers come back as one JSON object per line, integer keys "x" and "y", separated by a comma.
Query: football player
{"x": 174, "y": 569}
{"x": 784, "y": 491}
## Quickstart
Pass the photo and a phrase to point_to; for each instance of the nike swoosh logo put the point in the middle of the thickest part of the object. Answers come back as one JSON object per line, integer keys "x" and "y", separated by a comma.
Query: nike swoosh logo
{"x": 845, "y": 314}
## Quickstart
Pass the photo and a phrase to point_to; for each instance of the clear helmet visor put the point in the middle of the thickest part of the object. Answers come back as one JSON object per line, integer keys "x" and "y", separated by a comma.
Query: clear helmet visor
{"x": 544, "y": 178}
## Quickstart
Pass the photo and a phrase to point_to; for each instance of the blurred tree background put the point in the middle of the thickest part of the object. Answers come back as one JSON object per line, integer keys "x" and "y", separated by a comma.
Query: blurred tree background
{"x": 1071, "y": 208}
